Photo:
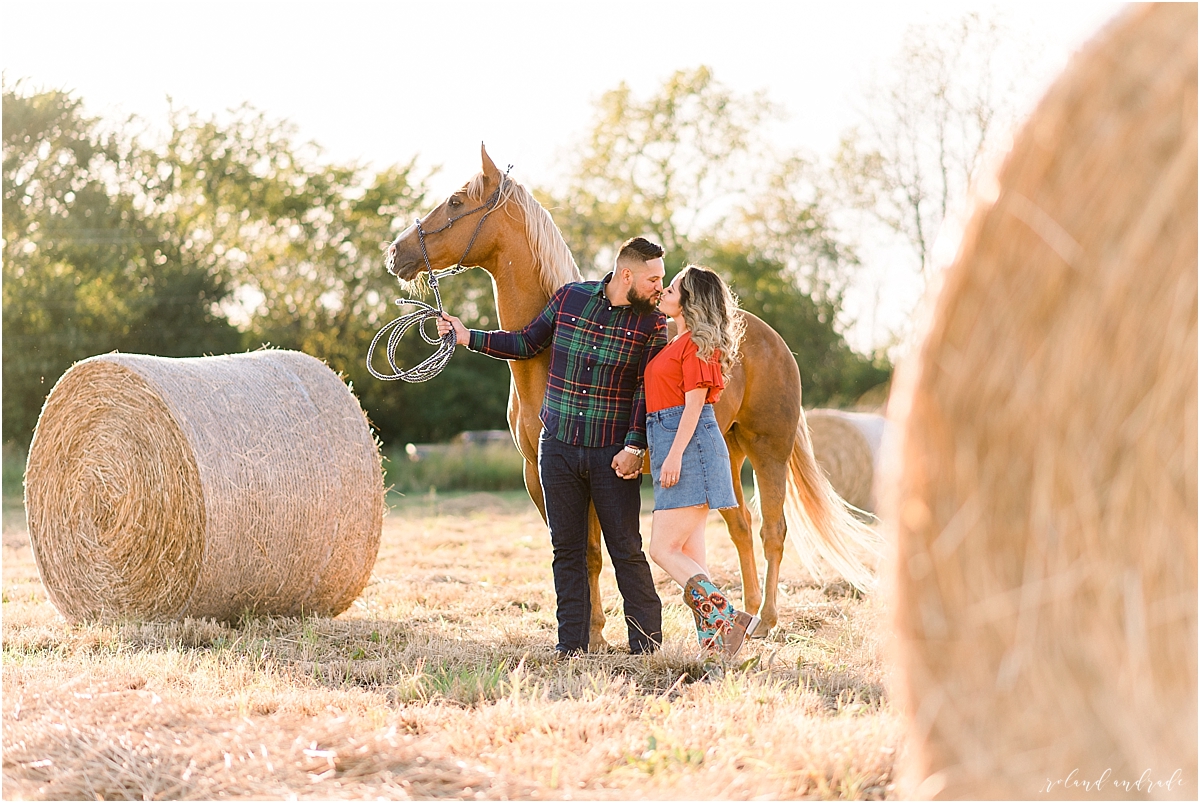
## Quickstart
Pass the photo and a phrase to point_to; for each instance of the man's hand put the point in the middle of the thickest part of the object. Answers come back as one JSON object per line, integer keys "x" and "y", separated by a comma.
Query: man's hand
{"x": 448, "y": 322}
{"x": 628, "y": 466}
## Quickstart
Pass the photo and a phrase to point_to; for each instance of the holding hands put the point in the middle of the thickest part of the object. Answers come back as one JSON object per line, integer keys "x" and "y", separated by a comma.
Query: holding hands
{"x": 627, "y": 465}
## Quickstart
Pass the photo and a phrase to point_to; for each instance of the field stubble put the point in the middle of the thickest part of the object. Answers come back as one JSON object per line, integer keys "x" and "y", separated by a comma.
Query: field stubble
{"x": 440, "y": 681}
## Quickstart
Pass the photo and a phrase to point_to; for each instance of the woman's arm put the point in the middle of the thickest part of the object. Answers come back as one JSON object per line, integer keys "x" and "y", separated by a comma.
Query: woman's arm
{"x": 693, "y": 404}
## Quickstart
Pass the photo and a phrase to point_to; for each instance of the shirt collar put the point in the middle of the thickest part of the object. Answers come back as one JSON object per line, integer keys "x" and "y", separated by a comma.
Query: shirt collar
{"x": 603, "y": 283}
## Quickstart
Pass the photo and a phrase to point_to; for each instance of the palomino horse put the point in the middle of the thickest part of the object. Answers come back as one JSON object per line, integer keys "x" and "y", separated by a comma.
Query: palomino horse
{"x": 759, "y": 411}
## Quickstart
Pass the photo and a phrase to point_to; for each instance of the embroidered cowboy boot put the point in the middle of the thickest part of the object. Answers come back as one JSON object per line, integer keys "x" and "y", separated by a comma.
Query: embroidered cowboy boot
{"x": 731, "y": 625}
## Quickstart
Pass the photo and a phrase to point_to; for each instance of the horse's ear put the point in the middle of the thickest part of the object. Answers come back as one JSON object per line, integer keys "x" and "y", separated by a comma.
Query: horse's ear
{"x": 489, "y": 167}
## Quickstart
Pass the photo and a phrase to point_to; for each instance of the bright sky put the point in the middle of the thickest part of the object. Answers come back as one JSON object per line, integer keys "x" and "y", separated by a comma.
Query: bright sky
{"x": 381, "y": 81}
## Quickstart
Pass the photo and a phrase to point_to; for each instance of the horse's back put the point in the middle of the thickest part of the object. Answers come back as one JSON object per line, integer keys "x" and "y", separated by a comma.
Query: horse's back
{"x": 763, "y": 392}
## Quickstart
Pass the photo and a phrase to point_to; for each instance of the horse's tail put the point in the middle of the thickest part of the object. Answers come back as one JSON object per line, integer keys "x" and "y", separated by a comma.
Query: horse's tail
{"x": 820, "y": 524}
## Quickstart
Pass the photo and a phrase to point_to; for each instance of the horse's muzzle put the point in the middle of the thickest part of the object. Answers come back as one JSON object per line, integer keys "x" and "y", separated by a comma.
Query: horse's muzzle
{"x": 399, "y": 264}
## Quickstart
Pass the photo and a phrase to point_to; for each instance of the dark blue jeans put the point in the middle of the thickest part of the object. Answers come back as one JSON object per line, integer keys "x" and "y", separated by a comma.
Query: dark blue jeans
{"x": 571, "y": 477}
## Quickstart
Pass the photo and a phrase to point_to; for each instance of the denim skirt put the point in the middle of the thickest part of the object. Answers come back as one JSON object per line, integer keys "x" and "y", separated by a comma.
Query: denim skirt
{"x": 705, "y": 476}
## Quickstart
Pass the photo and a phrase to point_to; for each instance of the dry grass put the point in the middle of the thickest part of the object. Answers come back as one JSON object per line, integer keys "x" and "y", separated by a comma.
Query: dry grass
{"x": 440, "y": 682}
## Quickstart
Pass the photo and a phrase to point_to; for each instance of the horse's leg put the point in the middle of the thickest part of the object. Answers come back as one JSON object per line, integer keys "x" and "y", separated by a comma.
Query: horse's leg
{"x": 737, "y": 520}
{"x": 595, "y": 562}
{"x": 525, "y": 436}
{"x": 533, "y": 484}
{"x": 770, "y": 475}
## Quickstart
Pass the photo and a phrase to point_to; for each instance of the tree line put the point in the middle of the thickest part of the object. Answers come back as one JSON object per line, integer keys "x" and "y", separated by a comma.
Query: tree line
{"x": 231, "y": 233}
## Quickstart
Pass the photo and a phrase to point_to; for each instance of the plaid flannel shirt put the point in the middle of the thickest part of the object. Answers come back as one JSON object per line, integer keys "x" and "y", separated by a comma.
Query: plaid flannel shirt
{"x": 598, "y": 356}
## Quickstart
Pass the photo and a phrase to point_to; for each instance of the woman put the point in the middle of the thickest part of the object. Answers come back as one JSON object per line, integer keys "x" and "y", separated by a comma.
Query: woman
{"x": 689, "y": 461}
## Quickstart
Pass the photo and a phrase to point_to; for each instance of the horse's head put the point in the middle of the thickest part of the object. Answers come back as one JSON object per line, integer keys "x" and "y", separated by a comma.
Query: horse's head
{"x": 453, "y": 232}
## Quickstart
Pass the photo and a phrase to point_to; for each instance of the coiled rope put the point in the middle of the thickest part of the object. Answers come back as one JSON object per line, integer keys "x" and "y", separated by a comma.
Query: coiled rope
{"x": 432, "y": 365}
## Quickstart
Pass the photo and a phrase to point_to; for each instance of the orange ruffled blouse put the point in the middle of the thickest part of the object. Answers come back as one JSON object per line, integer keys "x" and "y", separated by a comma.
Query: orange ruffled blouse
{"x": 677, "y": 369}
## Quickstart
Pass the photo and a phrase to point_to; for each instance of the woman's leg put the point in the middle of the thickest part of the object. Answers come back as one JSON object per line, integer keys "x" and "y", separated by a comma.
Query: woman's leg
{"x": 673, "y": 547}
{"x": 671, "y": 531}
{"x": 693, "y": 547}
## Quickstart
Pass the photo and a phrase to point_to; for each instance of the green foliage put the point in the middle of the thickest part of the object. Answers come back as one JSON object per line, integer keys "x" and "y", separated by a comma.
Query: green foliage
{"x": 302, "y": 241}
{"x": 681, "y": 165}
{"x": 658, "y": 165}
{"x": 457, "y": 466}
{"x": 831, "y": 372}
{"x": 229, "y": 236}
{"x": 787, "y": 222}
{"x": 88, "y": 265}
{"x": 14, "y": 473}
{"x": 230, "y": 233}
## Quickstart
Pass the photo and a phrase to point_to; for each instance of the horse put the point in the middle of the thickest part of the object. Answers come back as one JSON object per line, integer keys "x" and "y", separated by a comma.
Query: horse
{"x": 759, "y": 411}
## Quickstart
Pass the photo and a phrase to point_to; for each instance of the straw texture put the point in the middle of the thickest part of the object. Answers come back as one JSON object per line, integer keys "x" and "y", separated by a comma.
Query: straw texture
{"x": 846, "y": 446}
{"x": 1043, "y": 492}
{"x": 161, "y": 488}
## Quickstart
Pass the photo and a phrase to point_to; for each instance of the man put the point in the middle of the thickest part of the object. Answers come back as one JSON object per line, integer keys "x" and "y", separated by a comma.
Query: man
{"x": 601, "y": 335}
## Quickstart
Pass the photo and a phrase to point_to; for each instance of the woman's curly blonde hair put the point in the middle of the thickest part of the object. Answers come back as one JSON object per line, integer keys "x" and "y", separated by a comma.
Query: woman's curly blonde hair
{"x": 710, "y": 310}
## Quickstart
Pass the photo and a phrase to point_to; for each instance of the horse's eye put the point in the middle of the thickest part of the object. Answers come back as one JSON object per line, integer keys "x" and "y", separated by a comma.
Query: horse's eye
{"x": 455, "y": 201}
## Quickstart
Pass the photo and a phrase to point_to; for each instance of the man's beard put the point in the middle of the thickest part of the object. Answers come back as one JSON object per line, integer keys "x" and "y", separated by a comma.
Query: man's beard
{"x": 642, "y": 305}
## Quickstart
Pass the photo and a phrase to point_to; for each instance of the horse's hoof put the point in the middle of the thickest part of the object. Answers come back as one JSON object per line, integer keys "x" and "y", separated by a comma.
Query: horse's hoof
{"x": 761, "y": 631}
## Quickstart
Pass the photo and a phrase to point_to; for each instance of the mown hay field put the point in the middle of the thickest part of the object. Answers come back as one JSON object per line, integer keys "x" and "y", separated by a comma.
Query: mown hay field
{"x": 440, "y": 681}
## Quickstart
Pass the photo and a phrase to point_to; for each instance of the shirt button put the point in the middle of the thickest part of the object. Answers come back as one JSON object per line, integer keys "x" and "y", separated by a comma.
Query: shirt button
{"x": 593, "y": 348}
{"x": 585, "y": 393}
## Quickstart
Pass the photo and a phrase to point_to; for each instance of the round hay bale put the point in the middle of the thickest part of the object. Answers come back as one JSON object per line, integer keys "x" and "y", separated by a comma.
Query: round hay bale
{"x": 846, "y": 446}
{"x": 160, "y": 488}
{"x": 874, "y": 400}
{"x": 1043, "y": 489}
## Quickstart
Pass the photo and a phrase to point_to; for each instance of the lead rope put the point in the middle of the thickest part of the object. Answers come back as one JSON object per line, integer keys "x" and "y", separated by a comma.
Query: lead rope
{"x": 432, "y": 365}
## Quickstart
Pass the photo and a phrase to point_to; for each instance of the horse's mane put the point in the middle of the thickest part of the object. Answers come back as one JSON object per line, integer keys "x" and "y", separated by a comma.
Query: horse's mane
{"x": 556, "y": 265}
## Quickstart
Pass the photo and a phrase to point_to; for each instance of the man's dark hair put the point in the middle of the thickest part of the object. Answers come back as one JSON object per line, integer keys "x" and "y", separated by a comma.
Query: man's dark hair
{"x": 639, "y": 248}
